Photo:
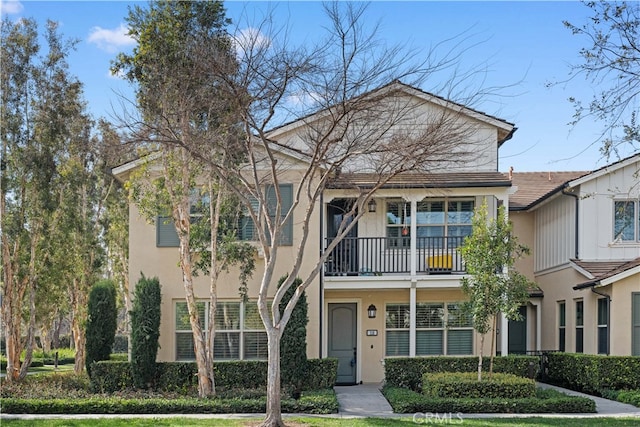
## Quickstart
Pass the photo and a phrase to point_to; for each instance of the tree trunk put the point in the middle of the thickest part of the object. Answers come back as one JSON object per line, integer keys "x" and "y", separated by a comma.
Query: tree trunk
{"x": 79, "y": 310}
{"x": 480, "y": 357}
{"x": 493, "y": 345}
{"x": 274, "y": 410}
{"x": 30, "y": 329}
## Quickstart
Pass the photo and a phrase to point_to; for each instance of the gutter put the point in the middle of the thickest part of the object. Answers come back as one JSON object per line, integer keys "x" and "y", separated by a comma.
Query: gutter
{"x": 577, "y": 199}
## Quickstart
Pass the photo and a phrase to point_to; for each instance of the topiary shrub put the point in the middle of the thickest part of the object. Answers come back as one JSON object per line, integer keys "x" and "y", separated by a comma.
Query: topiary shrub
{"x": 459, "y": 385}
{"x": 145, "y": 331}
{"x": 101, "y": 323}
{"x": 293, "y": 345}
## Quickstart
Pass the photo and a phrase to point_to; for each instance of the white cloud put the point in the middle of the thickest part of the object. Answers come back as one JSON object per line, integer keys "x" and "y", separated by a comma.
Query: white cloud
{"x": 249, "y": 39}
{"x": 110, "y": 40}
{"x": 10, "y": 7}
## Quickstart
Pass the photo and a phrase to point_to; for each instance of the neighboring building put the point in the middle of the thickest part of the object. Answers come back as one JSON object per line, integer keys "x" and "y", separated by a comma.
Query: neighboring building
{"x": 392, "y": 288}
{"x": 584, "y": 232}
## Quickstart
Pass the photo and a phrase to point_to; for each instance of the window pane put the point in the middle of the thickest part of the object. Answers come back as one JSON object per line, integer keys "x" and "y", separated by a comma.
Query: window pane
{"x": 602, "y": 340}
{"x": 397, "y": 343}
{"x": 579, "y": 340}
{"x": 602, "y": 311}
{"x": 398, "y": 213}
{"x": 184, "y": 346}
{"x": 460, "y": 342}
{"x": 429, "y": 315}
{"x": 430, "y": 212}
{"x": 624, "y": 220}
{"x": 456, "y": 318}
{"x": 562, "y": 314}
{"x": 227, "y": 316}
{"x": 429, "y": 343}
{"x": 226, "y": 345}
{"x": 579, "y": 313}
{"x": 255, "y": 345}
{"x": 562, "y": 339}
{"x": 252, "y": 318}
{"x": 460, "y": 212}
{"x": 397, "y": 316}
{"x": 182, "y": 315}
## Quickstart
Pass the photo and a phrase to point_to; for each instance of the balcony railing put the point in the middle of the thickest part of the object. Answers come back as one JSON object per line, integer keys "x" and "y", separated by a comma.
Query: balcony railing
{"x": 371, "y": 256}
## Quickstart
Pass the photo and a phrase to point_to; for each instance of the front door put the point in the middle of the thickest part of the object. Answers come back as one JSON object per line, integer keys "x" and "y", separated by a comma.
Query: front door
{"x": 342, "y": 340}
{"x": 518, "y": 333}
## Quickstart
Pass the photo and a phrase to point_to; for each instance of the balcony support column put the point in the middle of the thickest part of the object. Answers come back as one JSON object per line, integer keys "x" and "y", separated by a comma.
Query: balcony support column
{"x": 412, "y": 319}
{"x": 414, "y": 239}
{"x": 504, "y": 335}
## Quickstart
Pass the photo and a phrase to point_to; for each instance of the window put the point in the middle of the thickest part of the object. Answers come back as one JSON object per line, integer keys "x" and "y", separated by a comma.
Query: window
{"x": 626, "y": 225}
{"x": 246, "y": 227}
{"x": 440, "y": 329}
{"x": 562, "y": 323}
{"x": 397, "y": 319}
{"x": 239, "y": 331}
{"x": 434, "y": 219}
{"x": 603, "y": 326}
{"x": 579, "y": 326}
{"x": 166, "y": 234}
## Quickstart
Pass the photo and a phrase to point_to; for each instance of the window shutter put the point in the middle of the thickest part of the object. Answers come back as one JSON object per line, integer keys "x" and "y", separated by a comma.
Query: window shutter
{"x": 286, "y": 194}
{"x": 460, "y": 342}
{"x": 635, "y": 324}
{"x": 166, "y": 234}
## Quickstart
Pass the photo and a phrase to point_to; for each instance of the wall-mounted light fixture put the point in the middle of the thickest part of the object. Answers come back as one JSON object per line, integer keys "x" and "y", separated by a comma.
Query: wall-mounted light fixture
{"x": 371, "y": 311}
{"x": 372, "y": 205}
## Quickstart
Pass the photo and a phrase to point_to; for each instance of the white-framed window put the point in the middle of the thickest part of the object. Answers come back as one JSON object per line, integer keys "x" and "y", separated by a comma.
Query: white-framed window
{"x": 239, "y": 333}
{"x": 435, "y": 218}
{"x": 562, "y": 325}
{"x": 579, "y": 326}
{"x": 441, "y": 328}
{"x": 626, "y": 222}
{"x": 603, "y": 326}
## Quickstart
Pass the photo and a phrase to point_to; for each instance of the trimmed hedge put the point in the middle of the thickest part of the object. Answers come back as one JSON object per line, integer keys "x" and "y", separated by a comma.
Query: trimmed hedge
{"x": 593, "y": 373}
{"x": 111, "y": 376}
{"x": 546, "y": 401}
{"x": 460, "y": 385}
{"x": 406, "y": 372}
{"x": 318, "y": 402}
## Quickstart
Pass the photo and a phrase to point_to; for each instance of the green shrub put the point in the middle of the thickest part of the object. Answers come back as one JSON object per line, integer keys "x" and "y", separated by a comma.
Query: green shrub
{"x": 406, "y": 372}
{"x": 631, "y": 397}
{"x": 293, "y": 344}
{"x": 546, "y": 401}
{"x": 145, "y": 330}
{"x": 321, "y": 402}
{"x": 101, "y": 323}
{"x": 594, "y": 373}
{"x": 111, "y": 376}
{"x": 460, "y": 385}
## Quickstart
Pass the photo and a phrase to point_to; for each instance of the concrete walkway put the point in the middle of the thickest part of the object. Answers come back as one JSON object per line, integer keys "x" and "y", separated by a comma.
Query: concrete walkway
{"x": 366, "y": 400}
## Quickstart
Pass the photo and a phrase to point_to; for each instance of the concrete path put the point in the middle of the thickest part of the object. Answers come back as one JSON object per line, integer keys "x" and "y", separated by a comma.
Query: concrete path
{"x": 603, "y": 406}
{"x": 362, "y": 400}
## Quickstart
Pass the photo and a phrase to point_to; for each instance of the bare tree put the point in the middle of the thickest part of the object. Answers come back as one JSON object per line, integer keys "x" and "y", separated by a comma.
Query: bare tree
{"x": 611, "y": 62}
{"x": 357, "y": 127}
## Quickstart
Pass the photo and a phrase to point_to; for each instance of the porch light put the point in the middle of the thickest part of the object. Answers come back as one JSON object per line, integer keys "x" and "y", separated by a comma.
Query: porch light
{"x": 371, "y": 311}
{"x": 372, "y": 206}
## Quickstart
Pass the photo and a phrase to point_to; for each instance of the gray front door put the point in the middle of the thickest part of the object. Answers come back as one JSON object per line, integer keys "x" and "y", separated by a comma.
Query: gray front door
{"x": 518, "y": 333}
{"x": 342, "y": 340}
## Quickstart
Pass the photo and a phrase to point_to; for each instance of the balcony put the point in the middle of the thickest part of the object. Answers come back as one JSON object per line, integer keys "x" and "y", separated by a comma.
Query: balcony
{"x": 377, "y": 256}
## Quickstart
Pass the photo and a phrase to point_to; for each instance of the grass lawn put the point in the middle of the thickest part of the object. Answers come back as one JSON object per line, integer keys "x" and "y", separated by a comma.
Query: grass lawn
{"x": 330, "y": 422}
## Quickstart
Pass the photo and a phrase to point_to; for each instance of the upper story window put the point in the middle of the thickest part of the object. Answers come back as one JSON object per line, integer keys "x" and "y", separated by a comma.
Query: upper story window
{"x": 166, "y": 234}
{"x": 626, "y": 224}
{"x": 435, "y": 219}
{"x": 247, "y": 229}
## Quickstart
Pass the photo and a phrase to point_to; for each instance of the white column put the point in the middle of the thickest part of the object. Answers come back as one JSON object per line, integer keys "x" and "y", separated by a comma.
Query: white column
{"x": 412, "y": 319}
{"x": 504, "y": 335}
{"x": 414, "y": 242}
{"x": 538, "y": 307}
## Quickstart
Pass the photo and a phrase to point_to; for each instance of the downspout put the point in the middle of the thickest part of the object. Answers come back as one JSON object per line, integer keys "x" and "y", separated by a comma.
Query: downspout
{"x": 577, "y": 199}
{"x": 608, "y": 297}
{"x": 321, "y": 277}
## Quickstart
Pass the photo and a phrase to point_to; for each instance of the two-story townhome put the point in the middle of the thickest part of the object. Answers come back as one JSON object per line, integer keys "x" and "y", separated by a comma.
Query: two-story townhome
{"x": 391, "y": 288}
{"x": 584, "y": 229}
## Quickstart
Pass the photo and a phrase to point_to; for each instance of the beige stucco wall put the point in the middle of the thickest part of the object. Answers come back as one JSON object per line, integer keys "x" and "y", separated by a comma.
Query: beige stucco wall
{"x": 523, "y": 228}
{"x": 371, "y": 353}
{"x": 621, "y": 313}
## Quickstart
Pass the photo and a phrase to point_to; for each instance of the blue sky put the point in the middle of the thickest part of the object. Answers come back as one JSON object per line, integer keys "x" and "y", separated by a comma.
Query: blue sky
{"x": 524, "y": 45}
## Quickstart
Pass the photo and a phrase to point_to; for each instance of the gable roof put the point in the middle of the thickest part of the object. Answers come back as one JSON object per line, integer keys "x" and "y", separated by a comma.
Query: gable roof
{"x": 534, "y": 187}
{"x": 605, "y": 170}
{"x": 505, "y": 129}
{"x": 606, "y": 272}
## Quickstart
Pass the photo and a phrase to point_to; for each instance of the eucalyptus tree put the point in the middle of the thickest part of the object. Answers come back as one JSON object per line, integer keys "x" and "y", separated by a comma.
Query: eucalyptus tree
{"x": 180, "y": 104}
{"x": 492, "y": 285}
{"x": 358, "y": 118}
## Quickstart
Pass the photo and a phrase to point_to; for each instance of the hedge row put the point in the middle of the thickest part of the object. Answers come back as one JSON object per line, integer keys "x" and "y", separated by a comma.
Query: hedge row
{"x": 593, "y": 373}
{"x": 318, "y": 402}
{"x": 406, "y": 372}
{"x": 460, "y": 385}
{"x": 546, "y": 401}
{"x": 111, "y": 376}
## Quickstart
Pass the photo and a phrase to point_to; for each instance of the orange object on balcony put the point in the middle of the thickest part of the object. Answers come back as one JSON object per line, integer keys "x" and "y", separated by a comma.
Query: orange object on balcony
{"x": 440, "y": 262}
